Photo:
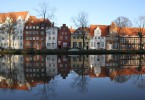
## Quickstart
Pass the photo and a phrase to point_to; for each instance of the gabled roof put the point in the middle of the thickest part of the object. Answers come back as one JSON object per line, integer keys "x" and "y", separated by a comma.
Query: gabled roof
{"x": 104, "y": 29}
{"x": 3, "y": 16}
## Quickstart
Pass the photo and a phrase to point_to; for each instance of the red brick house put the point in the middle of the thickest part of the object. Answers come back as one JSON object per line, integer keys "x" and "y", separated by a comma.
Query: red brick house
{"x": 35, "y": 33}
{"x": 64, "y": 37}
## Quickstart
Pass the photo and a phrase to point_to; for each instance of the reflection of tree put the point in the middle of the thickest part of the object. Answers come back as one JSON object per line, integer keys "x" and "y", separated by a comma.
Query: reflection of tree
{"x": 47, "y": 90}
{"x": 139, "y": 81}
{"x": 122, "y": 78}
{"x": 81, "y": 81}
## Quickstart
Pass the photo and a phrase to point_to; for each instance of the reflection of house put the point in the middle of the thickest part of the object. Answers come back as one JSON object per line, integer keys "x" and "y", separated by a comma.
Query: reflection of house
{"x": 34, "y": 66}
{"x": 80, "y": 63}
{"x": 51, "y": 37}
{"x": 98, "y": 34}
{"x": 12, "y": 69}
{"x": 64, "y": 65}
{"x": 96, "y": 62}
{"x": 64, "y": 37}
{"x": 51, "y": 65}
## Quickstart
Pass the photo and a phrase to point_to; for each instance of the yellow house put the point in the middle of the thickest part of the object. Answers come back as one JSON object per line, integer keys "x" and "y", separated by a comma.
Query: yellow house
{"x": 77, "y": 39}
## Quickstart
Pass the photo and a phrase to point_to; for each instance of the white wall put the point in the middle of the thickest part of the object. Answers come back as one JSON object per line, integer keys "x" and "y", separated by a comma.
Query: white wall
{"x": 51, "y": 38}
{"x": 51, "y": 65}
{"x": 97, "y": 41}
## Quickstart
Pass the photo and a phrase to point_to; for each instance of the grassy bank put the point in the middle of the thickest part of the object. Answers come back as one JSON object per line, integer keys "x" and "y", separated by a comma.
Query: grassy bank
{"x": 71, "y": 52}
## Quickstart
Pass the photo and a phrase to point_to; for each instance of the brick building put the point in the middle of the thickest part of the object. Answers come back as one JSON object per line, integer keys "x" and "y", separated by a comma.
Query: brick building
{"x": 35, "y": 33}
{"x": 64, "y": 37}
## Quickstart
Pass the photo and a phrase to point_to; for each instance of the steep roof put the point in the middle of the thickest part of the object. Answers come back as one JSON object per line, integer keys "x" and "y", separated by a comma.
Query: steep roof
{"x": 3, "y": 16}
{"x": 104, "y": 29}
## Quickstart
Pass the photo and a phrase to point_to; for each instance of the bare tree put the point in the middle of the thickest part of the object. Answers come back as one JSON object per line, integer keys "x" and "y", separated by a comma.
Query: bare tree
{"x": 81, "y": 22}
{"x": 45, "y": 11}
{"x": 10, "y": 25}
{"x": 122, "y": 22}
{"x": 140, "y": 21}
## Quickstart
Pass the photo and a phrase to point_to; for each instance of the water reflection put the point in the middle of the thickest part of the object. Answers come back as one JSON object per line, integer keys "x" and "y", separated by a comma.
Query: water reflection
{"x": 23, "y": 72}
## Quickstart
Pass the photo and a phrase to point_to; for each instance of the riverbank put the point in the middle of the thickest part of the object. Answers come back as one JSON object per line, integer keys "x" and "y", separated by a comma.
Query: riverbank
{"x": 72, "y": 52}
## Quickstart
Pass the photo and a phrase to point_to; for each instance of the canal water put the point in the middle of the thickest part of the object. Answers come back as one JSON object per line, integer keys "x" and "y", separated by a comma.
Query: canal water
{"x": 72, "y": 77}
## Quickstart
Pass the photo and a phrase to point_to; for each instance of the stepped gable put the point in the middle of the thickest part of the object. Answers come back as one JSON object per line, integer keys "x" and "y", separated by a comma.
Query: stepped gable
{"x": 104, "y": 29}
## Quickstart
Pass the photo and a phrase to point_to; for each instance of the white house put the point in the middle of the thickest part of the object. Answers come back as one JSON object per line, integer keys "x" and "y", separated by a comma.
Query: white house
{"x": 98, "y": 39}
{"x": 16, "y": 35}
{"x": 51, "y": 38}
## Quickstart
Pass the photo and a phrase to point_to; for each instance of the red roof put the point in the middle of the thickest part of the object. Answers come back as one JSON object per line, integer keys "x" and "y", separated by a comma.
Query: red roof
{"x": 3, "y": 16}
{"x": 130, "y": 31}
{"x": 104, "y": 29}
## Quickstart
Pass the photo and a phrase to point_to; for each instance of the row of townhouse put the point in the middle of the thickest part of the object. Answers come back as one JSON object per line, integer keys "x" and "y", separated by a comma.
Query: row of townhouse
{"x": 29, "y": 32}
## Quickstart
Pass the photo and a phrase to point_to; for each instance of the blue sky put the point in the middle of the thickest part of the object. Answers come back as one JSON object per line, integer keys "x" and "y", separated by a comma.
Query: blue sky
{"x": 99, "y": 11}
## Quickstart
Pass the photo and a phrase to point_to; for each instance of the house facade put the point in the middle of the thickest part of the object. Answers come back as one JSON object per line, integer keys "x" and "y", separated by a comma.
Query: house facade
{"x": 35, "y": 33}
{"x": 77, "y": 39}
{"x": 98, "y": 36}
{"x": 51, "y": 37}
{"x": 64, "y": 37}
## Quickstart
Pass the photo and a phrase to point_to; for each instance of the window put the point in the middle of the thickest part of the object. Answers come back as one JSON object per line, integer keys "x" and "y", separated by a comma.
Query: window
{"x": 61, "y": 37}
{"x": 20, "y": 43}
{"x": 33, "y": 38}
{"x": 102, "y": 44}
{"x": 91, "y": 44}
{"x": 53, "y": 38}
{"x": 66, "y": 38}
{"x": 74, "y": 37}
{"x": 49, "y": 38}
{"x": 37, "y": 27}
{"x": 21, "y": 37}
{"x": 30, "y": 27}
{"x": 98, "y": 37}
{"x": 17, "y": 37}
{"x": 33, "y": 27}
{"x": 42, "y": 32}
{"x": 37, "y": 38}
{"x": 13, "y": 37}
{"x": 27, "y": 32}
{"x": 27, "y": 38}
{"x": 42, "y": 27}
{"x": 26, "y": 27}
{"x": 53, "y": 32}
{"x": 48, "y": 44}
